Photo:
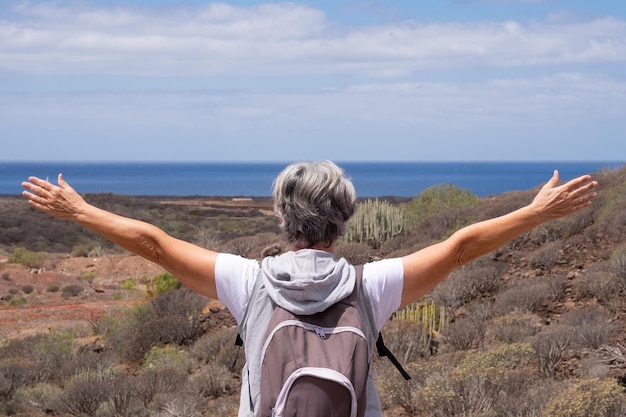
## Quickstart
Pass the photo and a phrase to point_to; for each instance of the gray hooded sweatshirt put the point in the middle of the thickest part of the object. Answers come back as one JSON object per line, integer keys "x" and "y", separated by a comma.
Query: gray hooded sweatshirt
{"x": 304, "y": 282}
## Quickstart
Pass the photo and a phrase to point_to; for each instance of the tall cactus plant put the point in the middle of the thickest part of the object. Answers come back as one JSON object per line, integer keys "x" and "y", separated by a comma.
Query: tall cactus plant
{"x": 374, "y": 222}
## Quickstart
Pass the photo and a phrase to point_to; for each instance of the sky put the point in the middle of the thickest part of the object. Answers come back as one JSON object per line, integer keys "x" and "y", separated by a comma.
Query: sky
{"x": 347, "y": 80}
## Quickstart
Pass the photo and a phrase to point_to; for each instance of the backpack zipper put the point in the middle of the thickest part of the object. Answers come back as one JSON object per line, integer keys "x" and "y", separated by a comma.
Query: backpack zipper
{"x": 320, "y": 331}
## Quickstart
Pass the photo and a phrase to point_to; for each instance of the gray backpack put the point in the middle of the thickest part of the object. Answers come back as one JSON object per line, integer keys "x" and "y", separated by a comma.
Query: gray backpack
{"x": 317, "y": 365}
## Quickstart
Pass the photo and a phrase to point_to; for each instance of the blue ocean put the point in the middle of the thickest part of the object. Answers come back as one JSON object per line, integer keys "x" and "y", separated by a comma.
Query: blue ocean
{"x": 371, "y": 179}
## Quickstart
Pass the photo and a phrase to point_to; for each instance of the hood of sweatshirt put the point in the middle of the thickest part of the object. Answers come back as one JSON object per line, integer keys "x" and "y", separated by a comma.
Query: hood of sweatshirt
{"x": 307, "y": 281}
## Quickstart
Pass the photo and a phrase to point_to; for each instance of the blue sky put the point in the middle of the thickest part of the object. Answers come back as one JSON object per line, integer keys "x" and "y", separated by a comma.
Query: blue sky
{"x": 247, "y": 80}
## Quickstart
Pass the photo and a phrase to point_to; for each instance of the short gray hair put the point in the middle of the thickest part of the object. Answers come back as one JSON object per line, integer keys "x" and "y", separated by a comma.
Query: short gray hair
{"x": 314, "y": 200}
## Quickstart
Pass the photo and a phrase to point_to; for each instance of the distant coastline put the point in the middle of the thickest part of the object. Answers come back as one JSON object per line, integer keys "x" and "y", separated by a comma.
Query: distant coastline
{"x": 254, "y": 179}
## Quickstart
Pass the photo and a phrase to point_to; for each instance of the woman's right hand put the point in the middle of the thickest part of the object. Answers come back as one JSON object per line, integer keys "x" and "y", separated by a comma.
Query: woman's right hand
{"x": 60, "y": 201}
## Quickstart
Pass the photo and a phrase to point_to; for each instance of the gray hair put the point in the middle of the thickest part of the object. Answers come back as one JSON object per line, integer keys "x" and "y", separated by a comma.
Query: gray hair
{"x": 314, "y": 201}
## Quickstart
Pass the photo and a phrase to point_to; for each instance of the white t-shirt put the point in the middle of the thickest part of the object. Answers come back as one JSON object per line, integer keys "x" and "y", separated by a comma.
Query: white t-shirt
{"x": 383, "y": 280}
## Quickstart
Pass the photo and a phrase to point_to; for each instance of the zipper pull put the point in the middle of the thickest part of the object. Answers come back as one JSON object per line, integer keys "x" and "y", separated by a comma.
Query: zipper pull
{"x": 320, "y": 332}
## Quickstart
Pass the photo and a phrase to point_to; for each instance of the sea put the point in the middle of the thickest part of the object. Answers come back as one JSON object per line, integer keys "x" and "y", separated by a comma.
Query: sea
{"x": 254, "y": 179}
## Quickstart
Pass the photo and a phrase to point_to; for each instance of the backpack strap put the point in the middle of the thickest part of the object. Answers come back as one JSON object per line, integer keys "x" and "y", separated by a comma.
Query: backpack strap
{"x": 380, "y": 344}
{"x": 384, "y": 351}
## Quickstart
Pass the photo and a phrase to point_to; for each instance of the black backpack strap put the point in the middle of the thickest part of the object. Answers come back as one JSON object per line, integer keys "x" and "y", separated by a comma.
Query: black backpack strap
{"x": 384, "y": 351}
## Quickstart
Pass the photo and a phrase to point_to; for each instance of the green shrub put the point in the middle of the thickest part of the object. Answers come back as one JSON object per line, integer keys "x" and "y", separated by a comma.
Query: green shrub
{"x": 439, "y": 198}
{"x": 88, "y": 276}
{"x": 129, "y": 284}
{"x": 503, "y": 357}
{"x": 18, "y": 301}
{"x": 163, "y": 283}
{"x": 167, "y": 357}
{"x": 589, "y": 398}
{"x": 28, "y": 258}
{"x": 441, "y": 210}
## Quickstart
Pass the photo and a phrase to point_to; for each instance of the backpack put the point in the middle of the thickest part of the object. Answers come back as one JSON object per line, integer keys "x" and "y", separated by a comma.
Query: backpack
{"x": 318, "y": 365}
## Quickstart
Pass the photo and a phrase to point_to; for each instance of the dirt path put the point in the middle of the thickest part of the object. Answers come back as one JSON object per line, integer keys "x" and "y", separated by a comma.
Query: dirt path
{"x": 28, "y": 320}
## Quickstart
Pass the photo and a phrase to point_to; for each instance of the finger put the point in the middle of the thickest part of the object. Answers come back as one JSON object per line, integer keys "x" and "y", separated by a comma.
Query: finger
{"x": 61, "y": 180}
{"x": 554, "y": 181}
{"x": 577, "y": 182}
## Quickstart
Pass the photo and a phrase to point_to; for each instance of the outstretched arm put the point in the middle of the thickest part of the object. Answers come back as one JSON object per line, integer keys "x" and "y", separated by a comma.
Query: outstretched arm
{"x": 193, "y": 265}
{"x": 424, "y": 269}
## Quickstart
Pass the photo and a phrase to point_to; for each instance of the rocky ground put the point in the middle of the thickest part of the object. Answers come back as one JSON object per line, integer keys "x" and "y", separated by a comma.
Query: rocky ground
{"x": 47, "y": 307}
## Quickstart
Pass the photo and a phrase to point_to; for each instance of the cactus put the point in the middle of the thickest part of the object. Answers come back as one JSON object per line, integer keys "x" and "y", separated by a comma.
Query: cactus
{"x": 432, "y": 318}
{"x": 374, "y": 222}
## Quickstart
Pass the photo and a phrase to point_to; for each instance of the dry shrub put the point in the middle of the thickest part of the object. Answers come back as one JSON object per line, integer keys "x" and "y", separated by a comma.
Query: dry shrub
{"x": 589, "y": 398}
{"x": 593, "y": 367}
{"x": 39, "y": 399}
{"x": 557, "y": 286}
{"x": 39, "y": 358}
{"x": 170, "y": 318}
{"x": 551, "y": 347}
{"x": 468, "y": 332}
{"x": 355, "y": 253}
{"x": 72, "y": 290}
{"x": 219, "y": 347}
{"x": 618, "y": 262}
{"x": 524, "y": 295}
{"x": 483, "y": 278}
{"x": 227, "y": 406}
{"x": 212, "y": 380}
{"x": 533, "y": 401}
{"x": 546, "y": 256}
{"x": 504, "y": 203}
{"x": 153, "y": 381}
{"x": 590, "y": 326}
{"x": 602, "y": 286}
{"x": 178, "y": 408}
{"x": 86, "y": 392}
{"x": 242, "y": 246}
{"x": 406, "y": 339}
{"x": 426, "y": 376}
{"x": 514, "y": 327}
{"x": 452, "y": 292}
{"x": 471, "y": 282}
{"x": 123, "y": 398}
{"x": 476, "y": 384}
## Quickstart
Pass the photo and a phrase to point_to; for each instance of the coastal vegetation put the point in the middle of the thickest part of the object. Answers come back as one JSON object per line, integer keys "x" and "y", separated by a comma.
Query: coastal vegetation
{"x": 534, "y": 329}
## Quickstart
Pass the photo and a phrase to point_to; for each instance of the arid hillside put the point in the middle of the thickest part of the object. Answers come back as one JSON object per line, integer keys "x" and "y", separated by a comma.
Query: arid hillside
{"x": 534, "y": 329}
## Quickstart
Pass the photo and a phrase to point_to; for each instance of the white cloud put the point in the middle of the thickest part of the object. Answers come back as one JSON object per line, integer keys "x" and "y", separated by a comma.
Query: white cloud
{"x": 283, "y": 39}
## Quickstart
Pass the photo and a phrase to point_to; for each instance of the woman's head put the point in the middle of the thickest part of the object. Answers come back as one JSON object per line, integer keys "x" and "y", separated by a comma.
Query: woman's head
{"x": 314, "y": 201}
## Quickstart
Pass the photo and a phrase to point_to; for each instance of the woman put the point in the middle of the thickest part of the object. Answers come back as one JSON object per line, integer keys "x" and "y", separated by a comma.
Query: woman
{"x": 313, "y": 202}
